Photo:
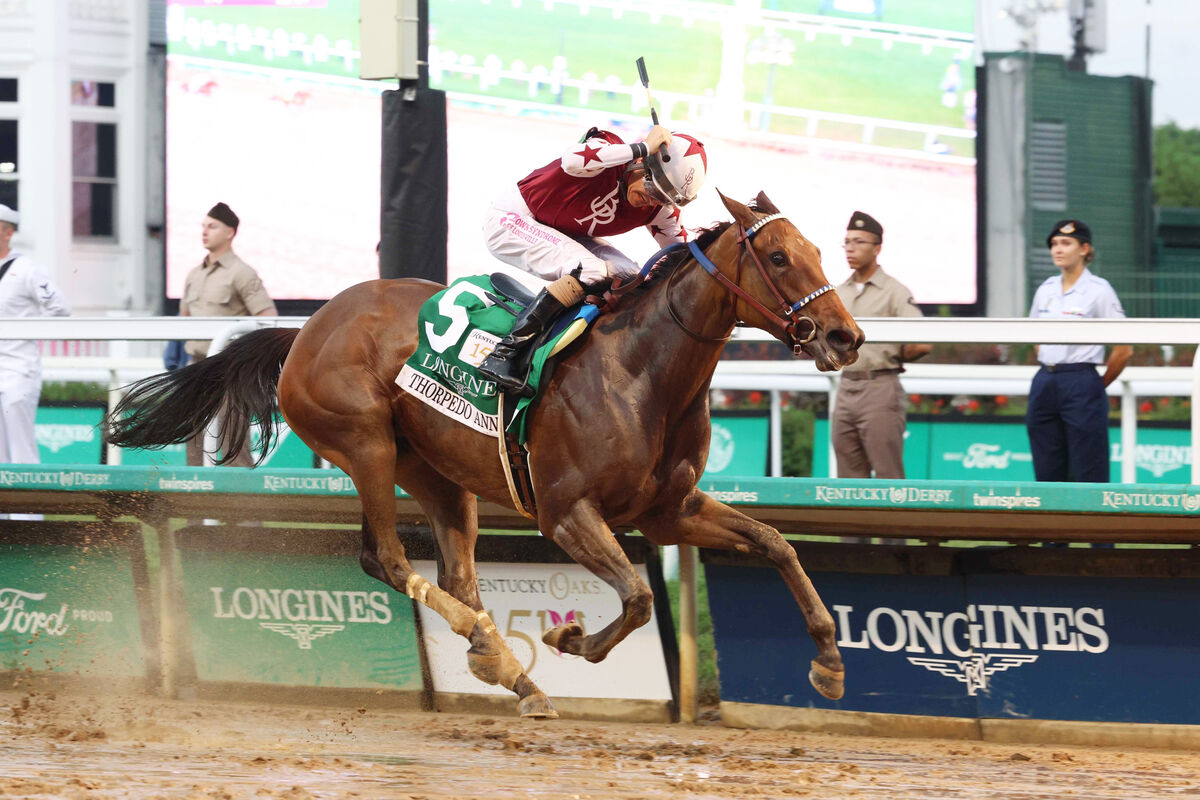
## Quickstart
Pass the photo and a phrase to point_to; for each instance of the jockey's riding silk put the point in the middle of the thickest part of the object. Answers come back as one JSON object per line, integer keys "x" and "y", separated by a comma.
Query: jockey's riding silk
{"x": 582, "y": 194}
{"x": 457, "y": 328}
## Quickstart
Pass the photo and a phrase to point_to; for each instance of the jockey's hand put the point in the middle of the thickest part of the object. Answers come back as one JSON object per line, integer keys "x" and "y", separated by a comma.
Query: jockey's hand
{"x": 657, "y": 136}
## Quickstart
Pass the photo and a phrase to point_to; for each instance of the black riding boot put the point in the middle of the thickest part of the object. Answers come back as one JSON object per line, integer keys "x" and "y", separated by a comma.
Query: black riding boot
{"x": 508, "y": 365}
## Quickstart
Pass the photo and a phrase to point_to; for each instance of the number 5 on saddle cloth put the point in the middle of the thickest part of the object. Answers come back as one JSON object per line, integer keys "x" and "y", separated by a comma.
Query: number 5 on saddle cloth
{"x": 457, "y": 328}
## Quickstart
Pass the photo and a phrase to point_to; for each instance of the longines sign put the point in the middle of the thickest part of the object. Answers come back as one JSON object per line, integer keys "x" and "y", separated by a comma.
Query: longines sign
{"x": 974, "y": 644}
{"x": 298, "y": 620}
{"x": 968, "y": 645}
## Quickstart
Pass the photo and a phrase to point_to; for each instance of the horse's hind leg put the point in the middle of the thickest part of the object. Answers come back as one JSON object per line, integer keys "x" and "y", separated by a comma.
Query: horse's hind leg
{"x": 453, "y": 514}
{"x": 585, "y": 536}
{"x": 704, "y": 522}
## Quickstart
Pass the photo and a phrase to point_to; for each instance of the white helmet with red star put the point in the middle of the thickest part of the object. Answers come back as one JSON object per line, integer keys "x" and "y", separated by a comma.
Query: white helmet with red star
{"x": 675, "y": 179}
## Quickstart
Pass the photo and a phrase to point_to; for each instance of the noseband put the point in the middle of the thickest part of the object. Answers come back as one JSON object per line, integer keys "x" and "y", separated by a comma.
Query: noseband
{"x": 788, "y": 317}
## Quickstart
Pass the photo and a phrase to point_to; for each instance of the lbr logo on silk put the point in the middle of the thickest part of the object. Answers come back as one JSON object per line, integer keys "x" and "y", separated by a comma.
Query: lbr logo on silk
{"x": 971, "y": 634}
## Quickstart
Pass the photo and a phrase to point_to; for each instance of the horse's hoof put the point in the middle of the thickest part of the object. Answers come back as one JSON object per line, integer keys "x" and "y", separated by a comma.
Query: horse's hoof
{"x": 830, "y": 683}
{"x": 485, "y": 667}
{"x": 565, "y": 637}
{"x": 537, "y": 706}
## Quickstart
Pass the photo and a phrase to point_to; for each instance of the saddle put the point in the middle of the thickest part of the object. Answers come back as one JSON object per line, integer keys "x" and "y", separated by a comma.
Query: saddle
{"x": 511, "y": 295}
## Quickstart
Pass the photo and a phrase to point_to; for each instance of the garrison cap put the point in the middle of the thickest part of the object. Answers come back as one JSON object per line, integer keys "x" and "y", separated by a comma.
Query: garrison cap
{"x": 9, "y": 215}
{"x": 861, "y": 221}
{"x": 1071, "y": 227}
{"x": 223, "y": 213}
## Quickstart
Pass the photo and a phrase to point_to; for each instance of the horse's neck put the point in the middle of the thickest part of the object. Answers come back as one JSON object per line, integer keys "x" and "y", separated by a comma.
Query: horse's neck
{"x": 650, "y": 339}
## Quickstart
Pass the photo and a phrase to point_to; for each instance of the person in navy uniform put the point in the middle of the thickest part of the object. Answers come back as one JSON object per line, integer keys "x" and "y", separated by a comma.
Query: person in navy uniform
{"x": 1067, "y": 417}
{"x": 552, "y": 224}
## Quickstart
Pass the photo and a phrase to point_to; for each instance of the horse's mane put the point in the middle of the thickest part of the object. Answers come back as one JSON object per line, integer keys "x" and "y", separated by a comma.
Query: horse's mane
{"x": 704, "y": 237}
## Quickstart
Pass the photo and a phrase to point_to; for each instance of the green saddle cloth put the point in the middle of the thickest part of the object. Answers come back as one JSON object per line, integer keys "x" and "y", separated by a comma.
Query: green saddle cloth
{"x": 457, "y": 328}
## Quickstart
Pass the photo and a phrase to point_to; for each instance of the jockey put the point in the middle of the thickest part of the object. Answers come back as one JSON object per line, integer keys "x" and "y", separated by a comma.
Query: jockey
{"x": 551, "y": 222}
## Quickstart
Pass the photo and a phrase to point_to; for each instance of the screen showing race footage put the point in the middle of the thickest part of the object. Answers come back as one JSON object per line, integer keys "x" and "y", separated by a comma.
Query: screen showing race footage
{"x": 829, "y": 106}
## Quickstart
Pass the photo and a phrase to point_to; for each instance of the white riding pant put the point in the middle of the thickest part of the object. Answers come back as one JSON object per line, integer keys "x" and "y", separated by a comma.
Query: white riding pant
{"x": 516, "y": 238}
{"x": 18, "y": 407}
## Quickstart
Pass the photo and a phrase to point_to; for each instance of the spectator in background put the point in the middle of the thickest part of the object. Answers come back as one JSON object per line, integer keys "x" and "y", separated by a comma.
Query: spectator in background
{"x": 25, "y": 291}
{"x": 221, "y": 286}
{"x": 1067, "y": 417}
{"x": 869, "y": 416}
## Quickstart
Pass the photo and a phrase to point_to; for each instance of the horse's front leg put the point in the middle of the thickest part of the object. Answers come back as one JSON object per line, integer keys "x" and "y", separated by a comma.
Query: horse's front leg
{"x": 453, "y": 515}
{"x": 704, "y": 522}
{"x": 586, "y": 537}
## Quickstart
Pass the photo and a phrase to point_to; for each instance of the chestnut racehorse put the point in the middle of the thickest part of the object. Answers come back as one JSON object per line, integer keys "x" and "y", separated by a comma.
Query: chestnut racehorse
{"x": 619, "y": 436}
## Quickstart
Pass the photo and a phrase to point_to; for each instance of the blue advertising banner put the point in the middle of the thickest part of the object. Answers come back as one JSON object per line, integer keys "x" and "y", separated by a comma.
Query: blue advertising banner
{"x": 968, "y": 645}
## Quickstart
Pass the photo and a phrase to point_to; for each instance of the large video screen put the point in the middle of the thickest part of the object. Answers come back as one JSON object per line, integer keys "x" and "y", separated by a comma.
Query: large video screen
{"x": 826, "y": 105}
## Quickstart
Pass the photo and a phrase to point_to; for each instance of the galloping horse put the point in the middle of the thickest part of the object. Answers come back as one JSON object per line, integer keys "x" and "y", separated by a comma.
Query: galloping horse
{"x": 619, "y": 437}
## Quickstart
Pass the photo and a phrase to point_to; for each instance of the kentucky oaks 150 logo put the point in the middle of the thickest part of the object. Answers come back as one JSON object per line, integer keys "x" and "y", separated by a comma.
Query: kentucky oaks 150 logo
{"x": 957, "y": 644}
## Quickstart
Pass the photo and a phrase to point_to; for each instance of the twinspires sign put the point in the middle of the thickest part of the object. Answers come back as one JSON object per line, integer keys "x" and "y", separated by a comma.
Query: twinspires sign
{"x": 974, "y": 645}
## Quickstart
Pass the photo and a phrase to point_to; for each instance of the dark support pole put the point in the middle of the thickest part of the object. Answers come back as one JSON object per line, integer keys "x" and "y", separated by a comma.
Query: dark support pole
{"x": 413, "y": 175}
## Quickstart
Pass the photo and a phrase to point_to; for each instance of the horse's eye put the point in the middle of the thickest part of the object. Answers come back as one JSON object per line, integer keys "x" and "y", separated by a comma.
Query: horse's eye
{"x": 778, "y": 259}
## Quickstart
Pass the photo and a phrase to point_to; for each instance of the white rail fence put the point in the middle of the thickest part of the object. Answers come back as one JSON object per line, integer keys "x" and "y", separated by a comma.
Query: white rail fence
{"x": 775, "y": 377}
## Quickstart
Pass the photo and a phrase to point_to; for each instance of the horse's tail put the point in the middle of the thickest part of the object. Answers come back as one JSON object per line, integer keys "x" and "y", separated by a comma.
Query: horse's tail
{"x": 240, "y": 382}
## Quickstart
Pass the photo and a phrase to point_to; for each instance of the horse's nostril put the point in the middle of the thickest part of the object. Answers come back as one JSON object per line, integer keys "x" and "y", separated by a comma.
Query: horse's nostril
{"x": 842, "y": 339}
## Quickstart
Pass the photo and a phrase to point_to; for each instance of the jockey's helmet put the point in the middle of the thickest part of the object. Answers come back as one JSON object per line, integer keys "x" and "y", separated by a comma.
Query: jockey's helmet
{"x": 677, "y": 179}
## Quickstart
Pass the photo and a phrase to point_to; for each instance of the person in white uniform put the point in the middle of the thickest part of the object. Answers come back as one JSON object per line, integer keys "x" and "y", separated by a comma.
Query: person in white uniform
{"x": 25, "y": 291}
{"x": 1067, "y": 418}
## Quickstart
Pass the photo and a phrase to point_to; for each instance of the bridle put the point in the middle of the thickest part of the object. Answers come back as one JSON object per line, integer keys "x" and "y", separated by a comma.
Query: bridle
{"x": 786, "y": 319}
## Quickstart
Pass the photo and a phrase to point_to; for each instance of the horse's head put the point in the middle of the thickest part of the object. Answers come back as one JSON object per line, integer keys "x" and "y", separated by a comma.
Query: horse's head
{"x": 783, "y": 288}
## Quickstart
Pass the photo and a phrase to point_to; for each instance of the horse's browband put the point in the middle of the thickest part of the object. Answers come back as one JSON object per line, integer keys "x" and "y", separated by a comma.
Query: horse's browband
{"x": 753, "y": 229}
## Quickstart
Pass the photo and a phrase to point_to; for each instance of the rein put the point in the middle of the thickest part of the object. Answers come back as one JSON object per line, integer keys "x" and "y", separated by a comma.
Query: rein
{"x": 786, "y": 319}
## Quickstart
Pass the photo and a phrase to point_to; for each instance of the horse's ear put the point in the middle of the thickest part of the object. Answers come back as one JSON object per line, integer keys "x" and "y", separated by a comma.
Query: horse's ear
{"x": 740, "y": 212}
{"x": 763, "y": 203}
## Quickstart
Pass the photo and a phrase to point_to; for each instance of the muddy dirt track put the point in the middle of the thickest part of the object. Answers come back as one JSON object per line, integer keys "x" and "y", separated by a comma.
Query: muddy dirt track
{"x": 81, "y": 747}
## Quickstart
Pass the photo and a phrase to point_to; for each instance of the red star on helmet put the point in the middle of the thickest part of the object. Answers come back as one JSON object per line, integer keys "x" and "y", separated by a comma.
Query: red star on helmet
{"x": 695, "y": 147}
{"x": 589, "y": 154}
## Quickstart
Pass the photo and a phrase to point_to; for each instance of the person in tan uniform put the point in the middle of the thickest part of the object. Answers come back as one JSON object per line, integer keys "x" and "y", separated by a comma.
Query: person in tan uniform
{"x": 222, "y": 285}
{"x": 869, "y": 415}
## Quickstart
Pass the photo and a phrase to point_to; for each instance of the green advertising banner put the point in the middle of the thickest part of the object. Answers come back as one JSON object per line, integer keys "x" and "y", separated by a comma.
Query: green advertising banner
{"x": 296, "y": 619}
{"x": 69, "y": 434}
{"x": 739, "y": 444}
{"x": 997, "y": 448}
{"x": 286, "y": 451}
{"x": 68, "y": 601}
{"x": 916, "y": 448}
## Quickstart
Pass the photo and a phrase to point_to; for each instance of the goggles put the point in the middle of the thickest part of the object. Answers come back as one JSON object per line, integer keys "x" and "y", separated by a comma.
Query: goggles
{"x": 659, "y": 186}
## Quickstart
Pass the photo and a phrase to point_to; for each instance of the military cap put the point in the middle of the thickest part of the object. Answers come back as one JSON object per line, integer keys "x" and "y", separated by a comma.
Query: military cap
{"x": 860, "y": 221}
{"x": 1071, "y": 227}
{"x": 223, "y": 213}
{"x": 9, "y": 215}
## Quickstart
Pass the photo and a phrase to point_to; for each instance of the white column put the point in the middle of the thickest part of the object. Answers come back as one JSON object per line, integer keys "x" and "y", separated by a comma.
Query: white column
{"x": 731, "y": 93}
{"x": 45, "y": 142}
